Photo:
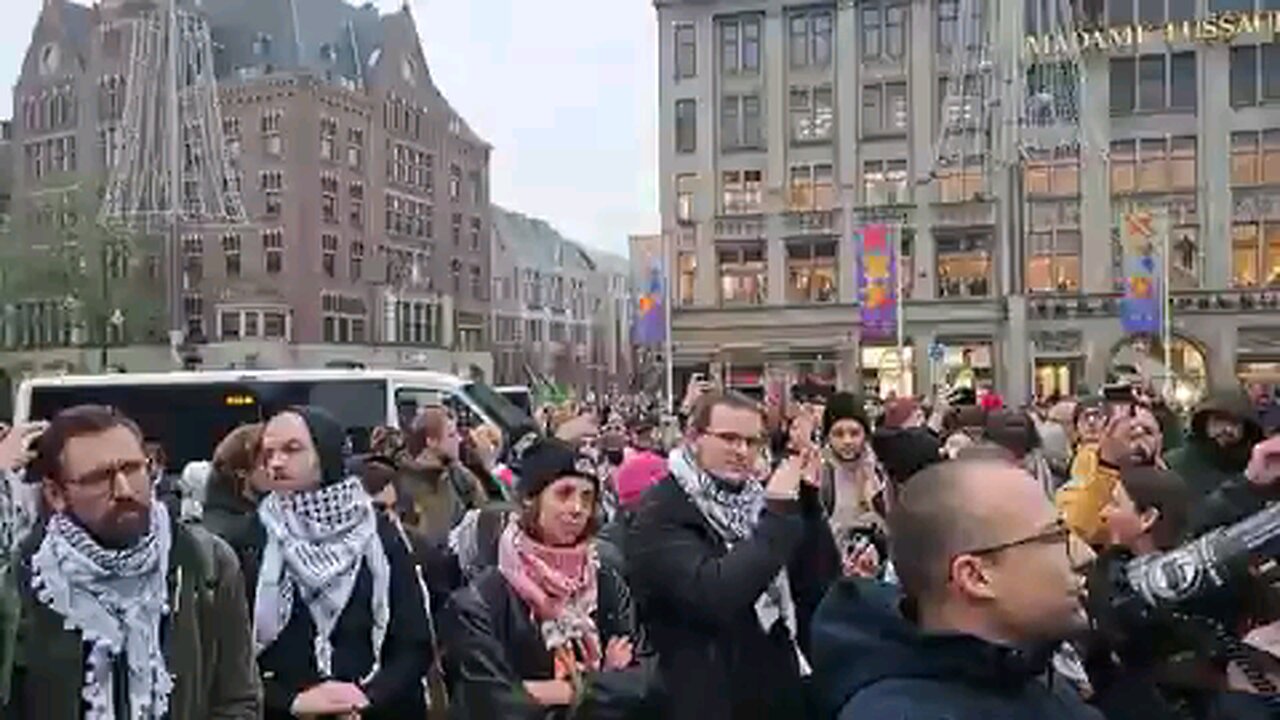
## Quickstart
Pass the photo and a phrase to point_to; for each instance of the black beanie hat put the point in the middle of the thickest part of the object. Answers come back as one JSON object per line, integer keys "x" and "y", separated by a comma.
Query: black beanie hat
{"x": 330, "y": 441}
{"x": 904, "y": 453}
{"x": 549, "y": 460}
{"x": 843, "y": 406}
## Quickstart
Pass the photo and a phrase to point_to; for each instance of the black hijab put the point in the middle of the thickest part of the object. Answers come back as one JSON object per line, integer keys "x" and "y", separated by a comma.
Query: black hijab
{"x": 330, "y": 441}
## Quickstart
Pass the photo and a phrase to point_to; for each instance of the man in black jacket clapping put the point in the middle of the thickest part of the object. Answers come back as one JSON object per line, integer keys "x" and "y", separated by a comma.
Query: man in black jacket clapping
{"x": 727, "y": 569}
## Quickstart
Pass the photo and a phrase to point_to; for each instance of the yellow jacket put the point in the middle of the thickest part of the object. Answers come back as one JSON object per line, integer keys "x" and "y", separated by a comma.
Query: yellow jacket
{"x": 1081, "y": 500}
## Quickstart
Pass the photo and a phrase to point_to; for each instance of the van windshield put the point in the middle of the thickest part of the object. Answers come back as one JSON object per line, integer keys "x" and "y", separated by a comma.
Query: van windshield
{"x": 188, "y": 420}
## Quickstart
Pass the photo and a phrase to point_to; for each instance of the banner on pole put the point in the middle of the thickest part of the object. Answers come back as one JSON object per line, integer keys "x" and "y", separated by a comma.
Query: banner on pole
{"x": 650, "y": 327}
{"x": 1140, "y": 309}
{"x": 877, "y": 281}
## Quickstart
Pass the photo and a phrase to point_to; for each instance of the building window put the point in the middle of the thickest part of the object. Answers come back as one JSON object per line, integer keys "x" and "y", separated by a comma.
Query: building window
{"x": 811, "y": 271}
{"x": 884, "y": 182}
{"x": 1255, "y": 254}
{"x": 740, "y": 44}
{"x": 686, "y": 47}
{"x": 883, "y": 26}
{"x": 272, "y": 140}
{"x": 810, "y": 39}
{"x": 343, "y": 318}
{"x": 962, "y": 183}
{"x": 273, "y": 250}
{"x": 271, "y": 204}
{"x": 192, "y": 260}
{"x": 685, "y": 187}
{"x": 231, "y": 254}
{"x": 419, "y": 322}
{"x": 329, "y": 139}
{"x": 1255, "y": 158}
{"x": 743, "y": 191}
{"x": 329, "y": 198}
{"x": 964, "y": 264}
{"x": 455, "y": 228}
{"x": 743, "y": 275}
{"x": 687, "y": 267}
{"x": 1153, "y": 83}
{"x": 1053, "y": 239}
{"x": 1053, "y": 90}
{"x": 740, "y": 122}
{"x": 811, "y": 187}
{"x": 275, "y": 326}
{"x": 1052, "y": 173}
{"x": 111, "y": 95}
{"x": 475, "y": 234}
{"x": 686, "y": 126}
{"x": 455, "y": 271}
{"x": 1255, "y": 74}
{"x": 884, "y": 109}
{"x": 329, "y": 258}
{"x": 1153, "y": 165}
{"x": 193, "y": 312}
{"x": 455, "y": 182}
{"x": 273, "y": 180}
{"x": 812, "y": 114}
{"x": 357, "y": 261}
{"x": 477, "y": 282}
{"x": 229, "y": 325}
{"x": 356, "y": 192}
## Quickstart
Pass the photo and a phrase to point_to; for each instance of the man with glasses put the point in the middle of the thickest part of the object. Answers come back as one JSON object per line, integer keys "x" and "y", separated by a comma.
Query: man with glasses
{"x": 125, "y": 612}
{"x": 727, "y": 562}
{"x": 990, "y": 587}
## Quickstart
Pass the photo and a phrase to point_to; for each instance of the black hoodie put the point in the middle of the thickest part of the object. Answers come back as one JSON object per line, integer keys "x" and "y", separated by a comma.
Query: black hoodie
{"x": 1202, "y": 463}
{"x": 872, "y": 662}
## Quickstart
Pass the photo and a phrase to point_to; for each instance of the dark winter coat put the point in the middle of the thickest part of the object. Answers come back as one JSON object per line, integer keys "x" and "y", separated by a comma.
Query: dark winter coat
{"x": 872, "y": 662}
{"x": 1201, "y": 462}
{"x": 696, "y": 599}
{"x": 492, "y": 646}
{"x": 208, "y": 646}
{"x": 288, "y": 665}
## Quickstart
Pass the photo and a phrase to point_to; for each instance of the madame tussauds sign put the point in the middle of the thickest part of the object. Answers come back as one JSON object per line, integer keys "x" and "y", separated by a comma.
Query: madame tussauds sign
{"x": 1219, "y": 28}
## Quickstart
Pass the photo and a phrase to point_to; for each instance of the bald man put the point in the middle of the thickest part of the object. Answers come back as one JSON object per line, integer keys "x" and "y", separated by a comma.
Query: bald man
{"x": 991, "y": 586}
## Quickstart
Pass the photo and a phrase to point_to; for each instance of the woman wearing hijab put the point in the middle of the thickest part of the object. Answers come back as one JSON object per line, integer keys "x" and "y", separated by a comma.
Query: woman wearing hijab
{"x": 340, "y": 626}
{"x": 549, "y": 632}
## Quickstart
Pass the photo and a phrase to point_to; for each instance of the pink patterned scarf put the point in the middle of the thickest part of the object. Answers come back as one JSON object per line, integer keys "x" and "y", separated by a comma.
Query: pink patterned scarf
{"x": 559, "y": 585}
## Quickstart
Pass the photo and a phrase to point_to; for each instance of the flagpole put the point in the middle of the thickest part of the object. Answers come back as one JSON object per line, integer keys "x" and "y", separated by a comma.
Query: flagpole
{"x": 1166, "y": 310}
{"x": 901, "y": 310}
{"x": 668, "y": 349}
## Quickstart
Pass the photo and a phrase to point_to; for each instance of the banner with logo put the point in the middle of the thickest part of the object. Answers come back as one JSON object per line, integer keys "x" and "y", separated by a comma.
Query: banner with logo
{"x": 650, "y": 327}
{"x": 877, "y": 281}
{"x": 1140, "y": 310}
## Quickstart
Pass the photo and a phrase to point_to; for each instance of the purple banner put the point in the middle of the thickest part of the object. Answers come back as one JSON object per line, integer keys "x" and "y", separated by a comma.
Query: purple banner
{"x": 1140, "y": 307}
{"x": 651, "y": 318}
{"x": 877, "y": 282}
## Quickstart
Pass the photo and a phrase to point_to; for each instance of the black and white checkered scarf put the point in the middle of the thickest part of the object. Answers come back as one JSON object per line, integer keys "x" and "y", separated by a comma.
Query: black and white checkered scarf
{"x": 316, "y": 542}
{"x": 734, "y": 514}
{"x": 116, "y": 599}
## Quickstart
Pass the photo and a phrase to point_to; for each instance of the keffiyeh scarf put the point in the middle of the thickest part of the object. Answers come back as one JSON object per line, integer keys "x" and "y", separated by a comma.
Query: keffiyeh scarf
{"x": 734, "y": 515}
{"x": 560, "y": 587}
{"x": 316, "y": 541}
{"x": 116, "y": 599}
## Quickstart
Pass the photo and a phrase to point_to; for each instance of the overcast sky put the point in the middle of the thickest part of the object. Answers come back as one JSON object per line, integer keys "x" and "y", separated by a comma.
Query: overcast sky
{"x": 565, "y": 90}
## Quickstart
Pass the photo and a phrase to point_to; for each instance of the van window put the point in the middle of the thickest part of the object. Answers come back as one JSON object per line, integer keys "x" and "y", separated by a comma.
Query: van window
{"x": 189, "y": 420}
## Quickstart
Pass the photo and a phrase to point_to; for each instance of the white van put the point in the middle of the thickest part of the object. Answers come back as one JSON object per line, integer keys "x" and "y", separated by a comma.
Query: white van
{"x": 189, "y": 412}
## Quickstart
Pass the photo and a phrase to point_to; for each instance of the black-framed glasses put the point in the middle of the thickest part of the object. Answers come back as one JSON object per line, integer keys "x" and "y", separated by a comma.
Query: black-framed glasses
{"x": 1059, "y": 533}
{"x": 102, "y": 480}
{"x": 750, "y": 442}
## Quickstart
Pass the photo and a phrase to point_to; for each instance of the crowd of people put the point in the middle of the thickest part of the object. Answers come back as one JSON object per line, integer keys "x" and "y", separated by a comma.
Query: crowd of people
{"x": 818, "y": 558}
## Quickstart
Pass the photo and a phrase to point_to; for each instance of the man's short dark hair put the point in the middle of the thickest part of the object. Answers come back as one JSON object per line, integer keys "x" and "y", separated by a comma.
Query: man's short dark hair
{"x": 700, "y": 419}
{"x": 71, "y": 423}
{"x": 931, "y": 522}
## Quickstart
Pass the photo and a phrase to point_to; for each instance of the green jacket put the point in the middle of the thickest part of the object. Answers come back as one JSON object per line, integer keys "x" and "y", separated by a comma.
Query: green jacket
{"x": 208, "y": 642}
